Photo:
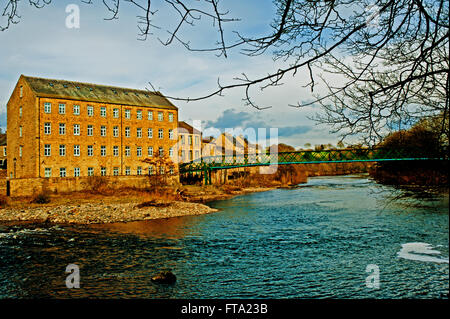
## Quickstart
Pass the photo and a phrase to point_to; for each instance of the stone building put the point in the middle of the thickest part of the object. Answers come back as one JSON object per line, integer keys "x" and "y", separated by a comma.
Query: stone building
{"x": 59, "y": 128}
{"x": 190, "y": 142}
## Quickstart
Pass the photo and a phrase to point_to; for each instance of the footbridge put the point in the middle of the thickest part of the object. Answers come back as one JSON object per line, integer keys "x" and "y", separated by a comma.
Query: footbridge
{"x": 219, "y": 162}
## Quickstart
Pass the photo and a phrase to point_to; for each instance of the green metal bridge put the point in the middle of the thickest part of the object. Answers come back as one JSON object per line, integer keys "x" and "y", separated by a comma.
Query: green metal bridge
{"x": 210, "y": 163}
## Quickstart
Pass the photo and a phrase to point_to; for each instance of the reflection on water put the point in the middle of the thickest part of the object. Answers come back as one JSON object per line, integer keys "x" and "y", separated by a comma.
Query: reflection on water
{"x": 314, "y": 241}
{"x": 173, "y": 228}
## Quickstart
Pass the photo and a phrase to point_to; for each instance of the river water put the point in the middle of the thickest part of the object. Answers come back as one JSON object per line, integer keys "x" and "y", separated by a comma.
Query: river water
{"x": 330, "y": 238}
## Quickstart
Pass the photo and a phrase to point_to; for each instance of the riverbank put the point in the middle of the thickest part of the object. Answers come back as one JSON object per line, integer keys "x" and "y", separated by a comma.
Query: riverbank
{"x": 120, "y": 206}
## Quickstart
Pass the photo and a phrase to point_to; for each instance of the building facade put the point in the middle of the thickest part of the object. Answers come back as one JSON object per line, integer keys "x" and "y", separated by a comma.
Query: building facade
{"x": 60, "y": 128}
{"x": 190, "y": 143}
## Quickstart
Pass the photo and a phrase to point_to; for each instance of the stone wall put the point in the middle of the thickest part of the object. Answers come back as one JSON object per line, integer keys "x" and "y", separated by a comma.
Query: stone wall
{"x": 33, "y": 186}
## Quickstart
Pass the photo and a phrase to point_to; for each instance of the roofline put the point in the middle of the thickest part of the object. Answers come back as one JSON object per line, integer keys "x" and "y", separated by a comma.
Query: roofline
{"x": 99, "y": 101}
{"x": 93, "y": 100}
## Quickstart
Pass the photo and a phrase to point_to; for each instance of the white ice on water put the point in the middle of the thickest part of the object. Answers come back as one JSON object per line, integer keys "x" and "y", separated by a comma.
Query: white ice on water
{"x": 420, "y": 252}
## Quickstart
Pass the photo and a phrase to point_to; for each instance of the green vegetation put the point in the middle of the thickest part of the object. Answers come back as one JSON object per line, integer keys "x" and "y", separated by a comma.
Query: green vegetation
{"x": 424, "y": 139}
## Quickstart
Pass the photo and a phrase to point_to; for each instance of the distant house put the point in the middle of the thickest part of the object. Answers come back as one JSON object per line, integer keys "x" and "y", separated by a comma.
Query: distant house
{"x": 227, "y": 144}
{"x": 189, "y": 142}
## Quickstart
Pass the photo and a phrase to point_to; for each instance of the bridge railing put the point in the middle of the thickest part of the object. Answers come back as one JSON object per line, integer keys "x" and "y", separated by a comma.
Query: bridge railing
{"x": 304, "y": 157}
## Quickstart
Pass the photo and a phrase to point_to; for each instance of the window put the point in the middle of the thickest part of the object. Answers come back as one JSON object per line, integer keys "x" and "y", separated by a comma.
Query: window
{"x": 115, "y": 171}
{"x": 160, "y": 116}
{"x": 139, "y": 151}
{"x": 161, "y": 170}
{"x": 139, "y": 170}
{"x": 21, "y": 91}
{"x": 115, "y": 131}
{"x": 90, "y": 171}
{"x": 20, "y": 131}
{"x": 76, "y": 129}
{"x": 62, "y": 129}
{"x": 76, "y": 150}
{"x": 171, "y": 151}
{"x": 127, "y": 151}
{"x": 182, "y": 139}
{"x": 150, "y": 170}
{"x": 103, "y": 130}
{"x": 171, "y": 171}
{"x": 189, "y": 139}
{"x": 103, "y": 111}
{"x": 103, "y": 171}
{"x": 76, "y": 110}
{"x": 20, "y": 151}
{"x": 182, "y": 155}
{"x": 150, "y": 133}
{"x": 62, "y": 108}
{"x": 90, "y": 110}
{"x": 20, "y": 111}
{"x": 139, "y": 132}
{"x": 197, "y": 154}
{"x": 47, "y": 107}
{"x": 160, "y": 133}
{"x": 76, "y": 171}
{"x": 47, "y": 150}
{"x": 170, "y": 117}
{"x": 139, "y": 114}
{"x": 90, "y": 130}
{"x": 190, "y": 155}
{"x": 161, "y": 151}
{"x": 103, "y": 150}
{"x": 150, "y": 116}
{"x": 90, "y": 150}
{"x": 62, "y": 150}
{"x": 127, "y": 131}
{"x": 127, "y": 113}
{"x": 127, "y": 170}
{"x": 197, "y": 140}
{"x": 150, "y": 151}
{"x": 48, "y": 172}
{"x": 47, "y": 128}
{"x": 62, "y": 172}
{"x": 116, "y": 150}
{"x": 115, "y": 113}
{"x": 4, "y": 151}
{"x": 171, "y": 134}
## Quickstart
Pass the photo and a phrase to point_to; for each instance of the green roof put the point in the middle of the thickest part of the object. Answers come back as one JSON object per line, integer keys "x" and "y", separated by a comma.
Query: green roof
{"x": 88, "y": 92}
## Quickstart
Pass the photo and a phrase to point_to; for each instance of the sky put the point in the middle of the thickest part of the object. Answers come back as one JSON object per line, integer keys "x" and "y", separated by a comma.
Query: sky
{"x": 110, "y": 53}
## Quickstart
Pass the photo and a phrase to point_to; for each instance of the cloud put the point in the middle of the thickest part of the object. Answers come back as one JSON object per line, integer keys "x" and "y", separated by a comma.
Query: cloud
{"x": 233, "y": 119}
{"x": 229, "y": 119}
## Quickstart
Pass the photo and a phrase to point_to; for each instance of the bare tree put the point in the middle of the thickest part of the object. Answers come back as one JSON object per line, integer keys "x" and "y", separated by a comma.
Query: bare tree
{"x": 392, "y": 54}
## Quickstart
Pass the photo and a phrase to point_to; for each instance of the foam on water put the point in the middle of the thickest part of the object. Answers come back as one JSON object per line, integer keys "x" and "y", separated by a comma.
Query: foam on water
{"x": 420, "y": 252}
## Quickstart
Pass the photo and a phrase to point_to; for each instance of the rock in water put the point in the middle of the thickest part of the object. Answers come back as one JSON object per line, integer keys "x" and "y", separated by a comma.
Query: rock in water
{"x": 166, "y": 277}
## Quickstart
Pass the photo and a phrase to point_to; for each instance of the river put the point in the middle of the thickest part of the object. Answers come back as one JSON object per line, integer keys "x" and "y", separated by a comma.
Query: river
{"x": 323, "y": 239}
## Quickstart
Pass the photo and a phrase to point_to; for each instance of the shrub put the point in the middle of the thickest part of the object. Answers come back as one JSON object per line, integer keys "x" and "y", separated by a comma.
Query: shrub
{"x": 3, "y": 201}
{"x": 41, "y": 198}
{"x": 97, "y": 184}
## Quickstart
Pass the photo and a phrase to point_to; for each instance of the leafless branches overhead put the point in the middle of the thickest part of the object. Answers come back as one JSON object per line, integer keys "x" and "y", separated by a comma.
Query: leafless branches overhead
{"x": 391, "y": 57}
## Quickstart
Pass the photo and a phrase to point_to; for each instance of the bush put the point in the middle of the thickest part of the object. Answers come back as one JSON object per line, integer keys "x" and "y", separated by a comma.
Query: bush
{"x": 3, "y": 201}
{"x": 97, "y": 184}
{"x": 41, "y": 198}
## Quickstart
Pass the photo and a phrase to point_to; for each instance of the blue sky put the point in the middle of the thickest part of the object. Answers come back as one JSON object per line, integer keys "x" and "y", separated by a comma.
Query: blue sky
{"x": 108, "y": 52}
